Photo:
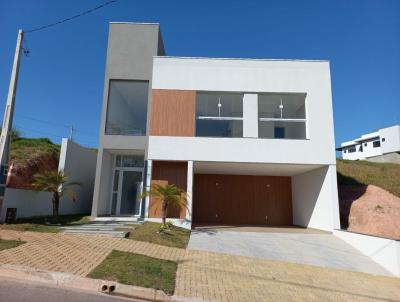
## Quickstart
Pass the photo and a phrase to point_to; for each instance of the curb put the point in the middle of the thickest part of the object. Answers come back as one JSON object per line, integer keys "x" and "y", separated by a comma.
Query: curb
{"x": 65, "y": 280}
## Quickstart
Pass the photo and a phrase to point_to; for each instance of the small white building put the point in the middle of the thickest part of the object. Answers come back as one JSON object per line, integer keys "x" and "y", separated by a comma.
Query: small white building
{"x": 382, "y": 145}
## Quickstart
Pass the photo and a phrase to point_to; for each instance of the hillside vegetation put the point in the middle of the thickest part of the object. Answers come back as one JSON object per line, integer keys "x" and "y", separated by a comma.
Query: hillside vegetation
{"x": 383, "y": 175}
{"x": 23, "y": 149}
{"x": 29, "y": 156}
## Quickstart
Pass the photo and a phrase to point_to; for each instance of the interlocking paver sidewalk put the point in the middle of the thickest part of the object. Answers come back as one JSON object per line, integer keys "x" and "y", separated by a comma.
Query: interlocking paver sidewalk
{"x": 205, "y": 275}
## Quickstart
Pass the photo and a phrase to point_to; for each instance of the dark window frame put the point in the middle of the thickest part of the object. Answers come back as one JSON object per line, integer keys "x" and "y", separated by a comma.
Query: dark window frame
{"x": 376, "y": 144}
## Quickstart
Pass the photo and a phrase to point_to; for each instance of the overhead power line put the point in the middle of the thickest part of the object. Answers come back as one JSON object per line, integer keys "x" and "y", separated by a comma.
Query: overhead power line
{"x": 70, "y": 18}
{"x": 55, "y": 135}
{"x": 85, "y": 132}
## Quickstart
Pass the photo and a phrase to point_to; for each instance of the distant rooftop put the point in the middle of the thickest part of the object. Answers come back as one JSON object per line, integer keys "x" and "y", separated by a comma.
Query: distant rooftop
{"x": 239, "y": 59}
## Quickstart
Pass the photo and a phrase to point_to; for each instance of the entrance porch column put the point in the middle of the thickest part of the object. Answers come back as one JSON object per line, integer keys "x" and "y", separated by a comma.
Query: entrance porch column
{"x": 189, "y": 190}
{"x": 148, "y": 184}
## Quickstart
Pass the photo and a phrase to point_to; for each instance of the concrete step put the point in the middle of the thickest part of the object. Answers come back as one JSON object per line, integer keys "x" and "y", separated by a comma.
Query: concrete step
{"x": 119, "y": 234}
{"x": 94, "y": 227}
{"x": 101, "y": 228}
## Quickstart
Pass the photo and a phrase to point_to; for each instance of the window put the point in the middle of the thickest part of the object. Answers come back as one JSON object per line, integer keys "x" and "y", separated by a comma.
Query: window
{"x": 285, "y": 112}
{"x": 376, "y": 144}
{"x": 127, "y": 107}
{"x": 127, "y": 161}
{"x": 383, "y": 139}
{"x": 365, "y": 144}
{"x": 352, "y": 149}
{"x": 219, "y": 114}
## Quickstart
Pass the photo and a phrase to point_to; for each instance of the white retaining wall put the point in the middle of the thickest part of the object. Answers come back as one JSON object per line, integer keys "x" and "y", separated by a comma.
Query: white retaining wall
{"x": 384, "y": 251}
{"x": 79, "y": 164}
{"x": 315, "y": 200}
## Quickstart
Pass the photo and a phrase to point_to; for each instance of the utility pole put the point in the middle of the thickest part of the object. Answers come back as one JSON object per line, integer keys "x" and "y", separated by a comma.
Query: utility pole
{"x": 8, "y": 117}
{"x": 71, "y": 133}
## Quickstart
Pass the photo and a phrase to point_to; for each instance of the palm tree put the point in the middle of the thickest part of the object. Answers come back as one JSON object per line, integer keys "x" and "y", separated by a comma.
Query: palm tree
{"x": 57, "y": 183}
{"x": 170, "y": 195}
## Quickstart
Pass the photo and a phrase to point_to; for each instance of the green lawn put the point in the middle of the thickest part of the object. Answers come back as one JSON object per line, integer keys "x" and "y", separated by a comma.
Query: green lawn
{"x": 384, "y": 175}
{"x": 139, "y": 270}
{"x": 9, "y": 244}
{"x": 149, "y": 232}
{"x": 41, "y": 224}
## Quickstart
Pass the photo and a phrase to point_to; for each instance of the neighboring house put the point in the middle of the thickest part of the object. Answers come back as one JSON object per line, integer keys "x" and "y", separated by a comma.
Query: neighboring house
{"x": 250, "y": 140}
{"x": 382, "y": 145}
{"x": 78, "y": 163}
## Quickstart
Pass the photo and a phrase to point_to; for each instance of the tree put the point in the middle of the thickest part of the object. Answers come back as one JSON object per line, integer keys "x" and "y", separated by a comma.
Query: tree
{"x": 170, "y": 195}
{"x": 57, "y": 183}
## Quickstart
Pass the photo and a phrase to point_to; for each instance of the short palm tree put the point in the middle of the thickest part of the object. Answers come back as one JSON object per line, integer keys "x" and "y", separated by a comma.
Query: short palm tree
{"x": 57, "y": 183}
{"x": 170, "y": 195}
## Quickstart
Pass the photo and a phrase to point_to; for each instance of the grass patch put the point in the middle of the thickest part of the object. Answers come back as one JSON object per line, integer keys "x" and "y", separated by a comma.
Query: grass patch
{"x": 42, "y": 224}
{"x": 384, "y": 175}
{"x": 149, "y": 232}
{"x": 139, "y": 270}
{"x": 9, "y": 244}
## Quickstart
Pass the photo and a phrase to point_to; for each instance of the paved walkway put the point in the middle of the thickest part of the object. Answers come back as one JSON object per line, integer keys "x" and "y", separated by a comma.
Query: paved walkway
{"x": 205, "y": 275}
{"x": 295, "y": 245}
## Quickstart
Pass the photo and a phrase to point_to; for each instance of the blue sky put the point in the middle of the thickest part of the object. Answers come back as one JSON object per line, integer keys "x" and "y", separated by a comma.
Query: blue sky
{"x": 61, "y": 81}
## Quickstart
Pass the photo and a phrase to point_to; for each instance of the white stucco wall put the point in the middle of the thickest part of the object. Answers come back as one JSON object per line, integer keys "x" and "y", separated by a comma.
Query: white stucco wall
{"x": 384, "y": 251}
{"x": 392, "y": 139}
{"x": 102, "y": 189}
{"x": 368, "y": 150}
{"x": 250, "y": 76}
{"x": 79, "y": 164}
{"x": 28, "y": 203}
{"x": 315, "y": 200}
{"x": 250, "y": 115}
{"x": 251, "y": 150}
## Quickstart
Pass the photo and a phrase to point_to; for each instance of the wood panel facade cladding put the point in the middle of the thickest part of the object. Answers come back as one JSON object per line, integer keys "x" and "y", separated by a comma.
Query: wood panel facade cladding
{"x": 173, "y": 112}
{"x": 242, "y": 199}
{"x": 164, "y": 173}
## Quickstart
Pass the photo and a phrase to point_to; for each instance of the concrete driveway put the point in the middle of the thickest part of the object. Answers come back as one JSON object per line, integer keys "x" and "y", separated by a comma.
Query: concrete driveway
{"x": 294, "y": 245}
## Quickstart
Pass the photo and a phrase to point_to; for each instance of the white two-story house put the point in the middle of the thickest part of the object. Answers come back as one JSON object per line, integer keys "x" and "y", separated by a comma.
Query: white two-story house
{"x": 250, "y": 140}
{"x": 382, "y": 145}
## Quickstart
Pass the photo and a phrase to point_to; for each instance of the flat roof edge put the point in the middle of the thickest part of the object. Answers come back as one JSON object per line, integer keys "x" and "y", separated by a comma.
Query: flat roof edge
{"x": 239, "y": 59}
{"x": 135, "y": 23}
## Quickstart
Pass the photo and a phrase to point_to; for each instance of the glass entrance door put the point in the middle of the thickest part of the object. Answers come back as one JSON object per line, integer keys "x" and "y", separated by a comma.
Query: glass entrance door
{"x": 127, "y": 188}
{"x": 130, "y": 193}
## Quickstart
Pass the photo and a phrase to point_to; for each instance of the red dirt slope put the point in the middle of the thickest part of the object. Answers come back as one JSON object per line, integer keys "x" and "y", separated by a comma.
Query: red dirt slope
{"x": 20, "y": 175}
{"x": 370, "y": 210}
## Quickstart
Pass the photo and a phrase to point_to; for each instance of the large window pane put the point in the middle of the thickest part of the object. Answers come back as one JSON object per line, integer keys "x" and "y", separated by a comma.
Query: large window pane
{"x": 289, "y": 130}
{"x": 219, "y": 114}
{"x": 213, "y": 104}
{"x": 219, "y": 128}
{"x": 127, "y": 107}
{"x": 282, "y": 106}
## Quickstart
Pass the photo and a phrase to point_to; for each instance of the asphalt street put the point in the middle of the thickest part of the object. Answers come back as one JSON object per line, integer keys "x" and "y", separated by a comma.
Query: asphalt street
{"x": 21, "y": 291}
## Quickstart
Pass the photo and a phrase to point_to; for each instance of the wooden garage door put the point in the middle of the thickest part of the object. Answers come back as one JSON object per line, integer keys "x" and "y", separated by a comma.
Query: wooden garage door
{"x": 242, "y": 199}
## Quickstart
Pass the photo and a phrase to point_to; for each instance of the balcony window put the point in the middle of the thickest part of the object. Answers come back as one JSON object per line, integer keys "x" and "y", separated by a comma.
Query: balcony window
{"x": 219, "y": 114}
{"x": 282, "y": 116}
{"x": 127, "y": 108}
